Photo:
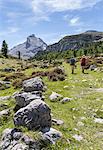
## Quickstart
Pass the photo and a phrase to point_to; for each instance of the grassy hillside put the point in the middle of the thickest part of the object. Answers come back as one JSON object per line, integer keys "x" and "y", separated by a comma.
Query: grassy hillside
{"x": 78, "y": 115}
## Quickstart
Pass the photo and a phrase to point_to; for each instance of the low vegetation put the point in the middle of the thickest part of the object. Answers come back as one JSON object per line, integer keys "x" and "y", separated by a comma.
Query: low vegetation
{"x": 86, "y": 91}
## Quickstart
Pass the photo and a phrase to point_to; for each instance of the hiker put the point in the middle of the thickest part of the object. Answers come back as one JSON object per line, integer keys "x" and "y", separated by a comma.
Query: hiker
{"x": 72, "y": 62}
{"x": 83, "y": 63}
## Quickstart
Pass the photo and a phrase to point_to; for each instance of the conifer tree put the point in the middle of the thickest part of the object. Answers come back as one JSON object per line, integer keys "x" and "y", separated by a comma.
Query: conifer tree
{"x": 4, "y": 49}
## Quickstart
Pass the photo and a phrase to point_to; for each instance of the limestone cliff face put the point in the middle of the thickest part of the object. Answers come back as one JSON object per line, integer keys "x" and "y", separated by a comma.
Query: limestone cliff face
{"x": 75, "y": 42}
{"x": 29, "y": 48}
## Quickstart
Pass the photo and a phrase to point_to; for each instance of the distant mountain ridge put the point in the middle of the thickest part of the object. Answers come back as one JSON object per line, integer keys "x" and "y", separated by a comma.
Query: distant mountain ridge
{"x": 34, "y": 45}
{"x": 75, "y": 42}
{"x": 29, "y": 48}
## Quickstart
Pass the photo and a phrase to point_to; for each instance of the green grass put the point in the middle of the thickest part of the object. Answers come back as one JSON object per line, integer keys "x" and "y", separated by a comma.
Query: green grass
{"x": 87, "y": 102}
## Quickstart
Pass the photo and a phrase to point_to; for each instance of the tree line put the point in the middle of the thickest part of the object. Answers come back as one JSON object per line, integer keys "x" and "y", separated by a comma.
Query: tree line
{"x": 92, "y": 49}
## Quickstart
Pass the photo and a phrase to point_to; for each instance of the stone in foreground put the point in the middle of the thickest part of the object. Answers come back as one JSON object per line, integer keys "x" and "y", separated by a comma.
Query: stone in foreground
{"x": 33, "y": 84}
{"x": 14, "y": 139}
{"x": 36, "y": 115}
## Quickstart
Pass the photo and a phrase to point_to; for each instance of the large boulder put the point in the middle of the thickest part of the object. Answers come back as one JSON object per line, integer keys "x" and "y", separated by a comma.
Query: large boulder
{"x": 23, "y": 99}
{"x": 36, "y": 115}
{"x": 33, "y": 84}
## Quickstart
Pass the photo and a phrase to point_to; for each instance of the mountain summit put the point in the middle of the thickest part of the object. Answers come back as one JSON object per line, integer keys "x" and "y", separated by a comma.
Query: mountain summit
{"x": 75, "y": 42}
{"x": 29, "y": 48}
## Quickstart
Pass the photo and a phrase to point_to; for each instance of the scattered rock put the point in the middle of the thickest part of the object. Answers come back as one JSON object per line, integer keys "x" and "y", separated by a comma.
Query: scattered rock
{"x": 8, "y": 70}
{"x": 66, "y": 99}
{"x": 57, "y": 122}
{"x": 98, "y": 120}
{"x": 4, "y": 112}
{"x": 4, "y": 85}
{"x": 84, "y": 80}
{"x": 36, "y": 115}
{"x": 55, "y": 97}
{"x": 77, "y": 137}
{"x": 99, "y": 135}
{"x": 4, "y": 98}
{"x": 80, "y": 124}
{"x": 51, "y": 136}
{"x": 3, "y": 106}
{"x": 96, "y": 69}
{"x": 92, "y": 67}
{"x": 74, "y": 109}
{"x": 99, "y": 90}
{"x": 66, "y": 87}
{"x": 68, "y": 141}
{"x": 75, "y": 129}
{"x": 83, "y": 118}
{"x": 33, "y": 84}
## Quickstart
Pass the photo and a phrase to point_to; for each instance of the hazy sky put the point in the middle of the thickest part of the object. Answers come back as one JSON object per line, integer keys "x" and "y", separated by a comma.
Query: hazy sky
{"x": 48, "y": 19}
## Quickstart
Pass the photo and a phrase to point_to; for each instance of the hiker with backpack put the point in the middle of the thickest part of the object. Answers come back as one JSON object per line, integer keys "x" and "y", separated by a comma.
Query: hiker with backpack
{"x": 72, "y": 62}
{"x": 83, "y": 63}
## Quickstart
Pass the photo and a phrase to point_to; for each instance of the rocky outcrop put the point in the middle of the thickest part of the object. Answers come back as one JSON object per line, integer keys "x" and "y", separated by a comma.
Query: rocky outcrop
{"x": 33, "y": 113}
{"x": 14, "y": 139}
{"x": 75, "y": 42}
{"x": 29, "y": 48}
{"x": 36, "y": 115}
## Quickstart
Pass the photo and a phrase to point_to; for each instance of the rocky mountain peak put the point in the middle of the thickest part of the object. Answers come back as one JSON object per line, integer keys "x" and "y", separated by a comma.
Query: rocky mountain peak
{"x": 32, "y": 35}
{"x": 29, "y": 48}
